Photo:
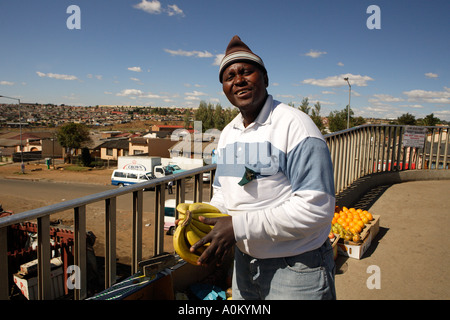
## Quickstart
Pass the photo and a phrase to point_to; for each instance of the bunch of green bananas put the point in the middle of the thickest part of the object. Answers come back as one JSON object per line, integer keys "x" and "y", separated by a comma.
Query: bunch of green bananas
{"x": 190, "y": 229}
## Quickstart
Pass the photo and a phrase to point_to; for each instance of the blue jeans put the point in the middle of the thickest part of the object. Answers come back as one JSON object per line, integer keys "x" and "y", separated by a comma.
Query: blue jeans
{"x": 307, "y": 276}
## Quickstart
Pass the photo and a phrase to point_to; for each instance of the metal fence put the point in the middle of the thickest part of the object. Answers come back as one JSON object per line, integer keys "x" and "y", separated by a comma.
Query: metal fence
{"x": 369, "y": 149}
{"x": 355, "y": 153}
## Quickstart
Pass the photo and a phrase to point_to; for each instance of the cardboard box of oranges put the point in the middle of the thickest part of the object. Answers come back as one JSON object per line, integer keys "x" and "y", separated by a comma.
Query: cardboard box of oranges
{"x": 356, "y": 250}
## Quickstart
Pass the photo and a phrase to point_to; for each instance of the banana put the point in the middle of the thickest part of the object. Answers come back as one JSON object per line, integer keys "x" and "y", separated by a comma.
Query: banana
{"x": 181, "y": 246}
{"x": 199, "y": 232}
{"x": 182, "y": 208}
{"x": 190, "y": 230}
{"x": 200, "y": 207}
{"x": 192, "y": 236}
{"x": 201, "y": 226}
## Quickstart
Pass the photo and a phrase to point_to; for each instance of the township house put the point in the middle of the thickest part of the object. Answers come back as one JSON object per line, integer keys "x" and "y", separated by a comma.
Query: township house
{"x": 157, "y": 142}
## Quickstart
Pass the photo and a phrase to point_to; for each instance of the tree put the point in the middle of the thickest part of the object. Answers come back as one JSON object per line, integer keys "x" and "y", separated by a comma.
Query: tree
{"x": 430, "y": 120}
{"x": 187, "y": 118}
{"x": 407, "y": 119}
{"x": 72, "y": 136}
{"x": 305, "y": 106}
{"x": 214, "y": 118}
{"x": 218, "y": 119}
{"x": 316, "y": 118}
{"x": 86, "y": 158}
{"x": 337, "y": 120}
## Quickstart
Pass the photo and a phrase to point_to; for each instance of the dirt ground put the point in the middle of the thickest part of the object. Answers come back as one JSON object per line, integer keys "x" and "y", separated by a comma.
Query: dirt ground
{"x": 59, "y": 174}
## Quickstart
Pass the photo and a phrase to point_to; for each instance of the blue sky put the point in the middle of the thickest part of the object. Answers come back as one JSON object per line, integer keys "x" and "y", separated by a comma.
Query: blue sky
{"x": 166, "y": 53}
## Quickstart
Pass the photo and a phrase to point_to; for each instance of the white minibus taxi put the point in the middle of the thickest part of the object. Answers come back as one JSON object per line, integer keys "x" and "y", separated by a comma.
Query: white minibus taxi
{"x": 126, "y": 177}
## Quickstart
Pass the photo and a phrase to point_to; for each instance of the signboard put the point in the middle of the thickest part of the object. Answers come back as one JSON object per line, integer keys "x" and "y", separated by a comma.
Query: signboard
{"x": 414, "y": 137}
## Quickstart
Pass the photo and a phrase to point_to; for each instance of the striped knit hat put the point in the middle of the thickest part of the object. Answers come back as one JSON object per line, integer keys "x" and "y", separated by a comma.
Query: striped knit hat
{"x": 239, "y": 51}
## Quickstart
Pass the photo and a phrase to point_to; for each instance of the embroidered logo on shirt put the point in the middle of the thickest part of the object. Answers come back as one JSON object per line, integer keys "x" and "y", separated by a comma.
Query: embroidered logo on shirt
{"x": 248, "y": 176}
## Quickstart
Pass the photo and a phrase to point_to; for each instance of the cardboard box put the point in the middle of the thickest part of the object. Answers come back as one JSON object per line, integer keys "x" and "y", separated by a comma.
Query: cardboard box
{"x": 357, "y": 250}
{"x": 29, "y": 285}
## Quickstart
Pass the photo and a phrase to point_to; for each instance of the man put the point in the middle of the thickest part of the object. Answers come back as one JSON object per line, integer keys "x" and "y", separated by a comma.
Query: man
{"x": 274, "y": 178}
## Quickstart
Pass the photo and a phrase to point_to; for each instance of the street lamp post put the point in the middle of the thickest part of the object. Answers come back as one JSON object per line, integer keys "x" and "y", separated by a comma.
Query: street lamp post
{"x": 22, "y": 166}
{"x": 348, "y": 107}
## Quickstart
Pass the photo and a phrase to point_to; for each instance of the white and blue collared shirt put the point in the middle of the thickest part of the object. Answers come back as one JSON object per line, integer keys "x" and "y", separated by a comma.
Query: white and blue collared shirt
{"x": 275, "y": 178}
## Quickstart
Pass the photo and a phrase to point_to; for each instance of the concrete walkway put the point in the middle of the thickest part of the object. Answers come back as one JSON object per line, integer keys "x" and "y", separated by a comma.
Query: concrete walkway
{"x": 411, "y": 251}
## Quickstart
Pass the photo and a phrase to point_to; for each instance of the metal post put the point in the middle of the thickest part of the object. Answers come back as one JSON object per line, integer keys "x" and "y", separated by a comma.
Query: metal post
{"x": 43, "y": 252}
{"x": 110, "y": 242}
{"x": 80, "y": 251}
{"x": 348, "y": 107}
{"x": 136, "y": 254}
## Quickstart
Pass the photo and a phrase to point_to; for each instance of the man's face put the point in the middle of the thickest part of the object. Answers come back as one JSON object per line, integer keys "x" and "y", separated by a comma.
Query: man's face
{"x": 245, "y": 85}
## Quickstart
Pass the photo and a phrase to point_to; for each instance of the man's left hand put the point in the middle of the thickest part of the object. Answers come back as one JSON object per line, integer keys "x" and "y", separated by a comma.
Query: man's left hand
{"x": 221, "y": 240}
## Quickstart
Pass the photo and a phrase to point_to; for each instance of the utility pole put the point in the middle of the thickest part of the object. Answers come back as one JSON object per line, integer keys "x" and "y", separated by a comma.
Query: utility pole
{"x": 22, "y": 165}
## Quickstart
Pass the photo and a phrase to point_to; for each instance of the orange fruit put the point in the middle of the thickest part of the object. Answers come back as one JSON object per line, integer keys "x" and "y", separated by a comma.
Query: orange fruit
{"x": 369, "y": 216}
{"x": 360, "y": 223}
{"x": 336, "y": 215}
{"x": 357, "y": 228}
{"x": 365, "y": 219}
{"x": 340, "y": 221}
{"x": 352, "y": 210}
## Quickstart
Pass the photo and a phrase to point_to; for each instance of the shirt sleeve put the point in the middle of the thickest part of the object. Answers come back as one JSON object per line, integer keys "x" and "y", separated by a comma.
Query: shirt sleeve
{"x": 310, "y": 207}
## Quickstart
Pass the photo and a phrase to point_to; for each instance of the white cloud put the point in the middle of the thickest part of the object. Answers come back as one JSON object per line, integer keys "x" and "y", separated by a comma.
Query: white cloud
{"x": 194, "y": 96}
{"x": 195, "y": 93}
{"x": 198, "y": 54}
{"x": 431, "y": 75}
{"x": 98, "y": 77}
{"x": 337, "y": 81}
{"x": 129, "y": 92}
{"x": 340, "y": 64}
{"x": 154, "y": 7}
{"x": 386, "y": 98}
{"x": 429, "y": 96}
{"x": 56, "y": 76}
{"x": 136, "y": 93}
{"x": 218, "y": 59}
{"x": 135, "y": 69}
{"x": 315, "y": 54}
{"x": 174, "y": 10}
{"x": 6, "y": 83}
{"x": 415, "y": 106}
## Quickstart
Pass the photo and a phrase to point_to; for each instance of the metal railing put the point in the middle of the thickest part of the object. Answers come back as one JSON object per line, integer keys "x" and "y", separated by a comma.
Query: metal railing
{"x": 355, "y": 153}
{"x": 42, "y": 215}
{"x": 369, "y": 149}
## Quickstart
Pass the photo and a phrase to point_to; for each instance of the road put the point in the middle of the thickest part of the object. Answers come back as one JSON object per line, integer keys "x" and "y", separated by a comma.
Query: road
{"x": 46, "y": 193}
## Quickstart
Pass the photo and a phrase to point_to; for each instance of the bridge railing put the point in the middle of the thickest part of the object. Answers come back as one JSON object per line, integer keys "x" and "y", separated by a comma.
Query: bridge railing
{"x": 355, "y": 153}
{"x": 368, "y": 149}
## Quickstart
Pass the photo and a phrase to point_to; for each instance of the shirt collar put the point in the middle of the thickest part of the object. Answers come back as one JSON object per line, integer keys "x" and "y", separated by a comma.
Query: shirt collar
{"x": 263, "y": 118}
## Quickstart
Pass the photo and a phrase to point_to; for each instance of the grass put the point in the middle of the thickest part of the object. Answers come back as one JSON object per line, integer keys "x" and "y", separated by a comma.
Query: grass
{"x": 76, "y": 168}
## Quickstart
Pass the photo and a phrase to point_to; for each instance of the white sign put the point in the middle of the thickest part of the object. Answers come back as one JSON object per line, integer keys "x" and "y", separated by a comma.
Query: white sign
{"x": 414, "y": 137}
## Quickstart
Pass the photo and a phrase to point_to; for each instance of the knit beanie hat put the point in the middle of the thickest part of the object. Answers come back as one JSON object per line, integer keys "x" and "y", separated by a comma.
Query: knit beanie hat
{"x": 238, "y": 51}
